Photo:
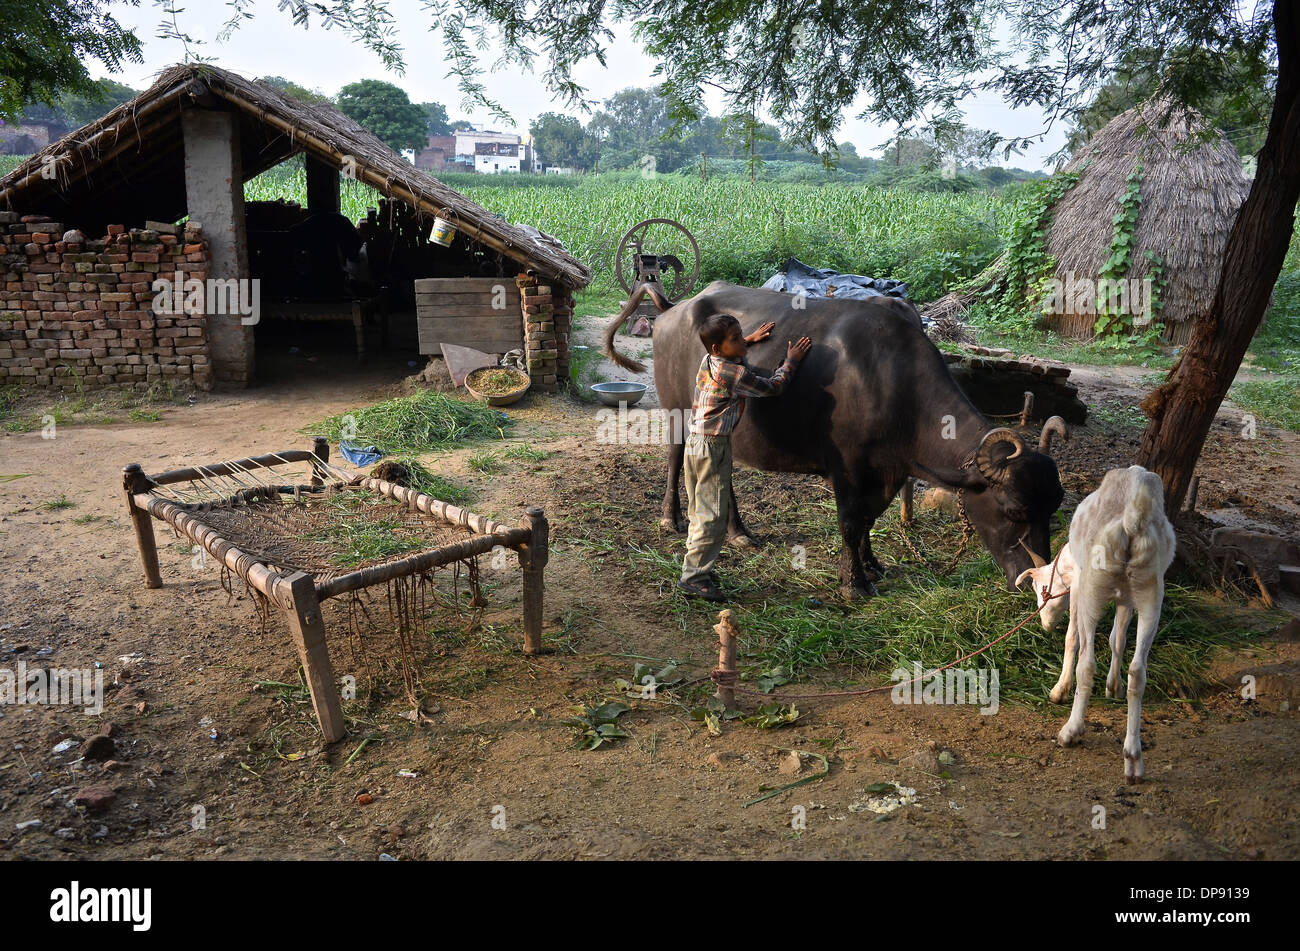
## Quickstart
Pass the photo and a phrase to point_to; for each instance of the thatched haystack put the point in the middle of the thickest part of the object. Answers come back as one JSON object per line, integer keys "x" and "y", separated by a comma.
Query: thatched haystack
{"x": 1192, "y": 187}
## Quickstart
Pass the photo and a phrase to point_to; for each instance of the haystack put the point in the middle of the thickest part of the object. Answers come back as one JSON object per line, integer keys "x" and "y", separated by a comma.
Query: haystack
{"x": 1192, "y": 187}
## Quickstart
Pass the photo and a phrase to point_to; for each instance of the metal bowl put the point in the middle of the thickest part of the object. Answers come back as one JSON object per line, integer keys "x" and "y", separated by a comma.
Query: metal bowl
{"x": 611, "y": 394}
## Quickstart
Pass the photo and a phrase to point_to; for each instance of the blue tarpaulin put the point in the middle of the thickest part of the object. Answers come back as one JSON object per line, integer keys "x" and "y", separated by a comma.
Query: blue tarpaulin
{"x": 814, "y": 282}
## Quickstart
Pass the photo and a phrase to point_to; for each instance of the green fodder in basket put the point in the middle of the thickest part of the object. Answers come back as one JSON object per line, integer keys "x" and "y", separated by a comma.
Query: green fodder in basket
{"x": 495, "y": 382}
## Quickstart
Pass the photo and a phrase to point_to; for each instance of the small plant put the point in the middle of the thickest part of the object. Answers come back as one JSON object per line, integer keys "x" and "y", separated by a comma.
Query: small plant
{"x": 62, "y": 502}
{"x": 772, "y": 715}
{"x": 145, "y": 415}
{"x": 485, "y": 462}
{"x": 526, "y": 452}
{"x": 597, "y": 725}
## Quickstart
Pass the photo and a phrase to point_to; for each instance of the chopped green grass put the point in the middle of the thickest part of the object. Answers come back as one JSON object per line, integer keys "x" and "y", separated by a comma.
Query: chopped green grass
{"x": 422, "y": 422}
{"x": 359, "y": 537}
{"x": 434, "y": 486}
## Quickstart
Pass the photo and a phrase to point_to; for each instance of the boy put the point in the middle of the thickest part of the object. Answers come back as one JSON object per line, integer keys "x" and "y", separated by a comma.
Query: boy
{"x": 721, "y": 386}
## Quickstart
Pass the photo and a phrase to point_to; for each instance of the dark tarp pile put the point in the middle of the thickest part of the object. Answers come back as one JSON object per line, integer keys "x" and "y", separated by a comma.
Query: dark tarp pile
{"x": 798, "y": 277}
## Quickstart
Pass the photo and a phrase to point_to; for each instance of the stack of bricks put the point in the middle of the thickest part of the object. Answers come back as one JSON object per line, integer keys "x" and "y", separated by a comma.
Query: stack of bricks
{"x": 562, "y": 308}
{"x": 539, "y": 333}
{"x": 77, "y": 312}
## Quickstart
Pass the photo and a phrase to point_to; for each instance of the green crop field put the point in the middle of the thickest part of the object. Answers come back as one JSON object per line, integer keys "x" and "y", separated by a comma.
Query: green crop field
{"x": 745, "y": 231}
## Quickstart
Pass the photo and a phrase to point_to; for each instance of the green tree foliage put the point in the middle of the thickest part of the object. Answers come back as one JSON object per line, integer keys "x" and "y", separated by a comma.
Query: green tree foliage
{"x": 290, "y": 88}
{"x": 561, "y": 140}
{"x": 44, "y": 45}
{"x": 107, "y": 95}
{"x": 386, "y": 111}
{"x": 436, "y": 119}
{"x": 1240, "y": 109}
{"x": 633, "y": 124}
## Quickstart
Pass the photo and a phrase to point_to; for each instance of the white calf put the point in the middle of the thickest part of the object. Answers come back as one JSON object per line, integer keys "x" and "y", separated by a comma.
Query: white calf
{"x": 1129, "y": 545}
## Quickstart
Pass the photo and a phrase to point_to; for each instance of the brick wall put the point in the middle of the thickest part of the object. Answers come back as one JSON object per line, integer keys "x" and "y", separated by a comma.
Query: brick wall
{"x": 79, "y": 312}
{"x": 548, "y": 321}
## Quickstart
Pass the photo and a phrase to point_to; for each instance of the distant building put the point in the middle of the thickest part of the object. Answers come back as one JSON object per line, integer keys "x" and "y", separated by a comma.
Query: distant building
{"x": 492, "y": 158}
{"x": 557, "y": 170}
{"x": 438, "y": 154}
{"x": 26, "y": 138}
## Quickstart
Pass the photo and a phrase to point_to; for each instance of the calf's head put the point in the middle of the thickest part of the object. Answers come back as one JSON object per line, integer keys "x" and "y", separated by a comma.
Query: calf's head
{"x": 1010, "y": 493}
{"x": 1051, "y": 581}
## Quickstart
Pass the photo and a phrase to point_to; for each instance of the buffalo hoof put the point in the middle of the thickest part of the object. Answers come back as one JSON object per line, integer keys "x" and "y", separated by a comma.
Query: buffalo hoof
{"x": 672, "y": 525}
{"x": 858, "y": 592}
{"x": 742, "y": 541}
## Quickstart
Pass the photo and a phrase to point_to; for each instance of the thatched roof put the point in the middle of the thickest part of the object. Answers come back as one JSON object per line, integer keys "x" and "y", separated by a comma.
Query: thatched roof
{"x": 1192, "y": 187}
{"x": 129, "y": 165}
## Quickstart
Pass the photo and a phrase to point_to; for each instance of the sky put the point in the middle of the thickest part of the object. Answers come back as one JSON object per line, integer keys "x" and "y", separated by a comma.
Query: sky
{"x": 327, "y": 60}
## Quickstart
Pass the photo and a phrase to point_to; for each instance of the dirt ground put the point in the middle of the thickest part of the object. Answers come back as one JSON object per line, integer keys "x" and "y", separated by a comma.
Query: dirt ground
{"x": 213, "y": 759}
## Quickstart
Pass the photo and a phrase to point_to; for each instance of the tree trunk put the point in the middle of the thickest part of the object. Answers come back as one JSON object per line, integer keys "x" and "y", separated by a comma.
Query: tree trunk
{"x": 1182, "y": 409}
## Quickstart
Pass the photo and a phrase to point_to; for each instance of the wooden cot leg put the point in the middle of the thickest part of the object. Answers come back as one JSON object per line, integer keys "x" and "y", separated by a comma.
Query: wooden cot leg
{"x": 359, "y": 325}
{"x": 308, "y": 629}
{"x": 532, "y": 559}
{"x": 134, "y": 480}
{"x": 321, "y": 450}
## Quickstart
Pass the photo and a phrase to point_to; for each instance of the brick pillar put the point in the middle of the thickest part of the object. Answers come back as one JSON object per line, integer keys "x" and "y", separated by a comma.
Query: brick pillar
{"x": 214, "y": 198}
{"x": 539, "y": 332}
{"x": 562, "y": 307}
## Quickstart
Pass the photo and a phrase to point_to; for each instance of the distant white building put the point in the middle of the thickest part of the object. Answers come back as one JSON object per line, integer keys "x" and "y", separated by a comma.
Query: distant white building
{"x": 493, "y": 158}
{"x": 468, "y": 140}
{"x": 558, "y": 170}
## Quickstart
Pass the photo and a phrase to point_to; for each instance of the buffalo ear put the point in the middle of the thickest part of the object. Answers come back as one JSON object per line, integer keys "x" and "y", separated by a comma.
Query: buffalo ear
{"x": 970, "y": 479}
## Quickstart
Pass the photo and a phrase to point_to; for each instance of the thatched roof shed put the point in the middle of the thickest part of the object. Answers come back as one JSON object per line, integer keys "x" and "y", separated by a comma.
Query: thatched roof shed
{"x": 1192, "y": 186}
{"x": 130, "y": 164}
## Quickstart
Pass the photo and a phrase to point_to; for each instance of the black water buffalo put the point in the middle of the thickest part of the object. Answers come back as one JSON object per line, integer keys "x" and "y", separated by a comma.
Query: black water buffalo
{"x": 872, "y": 404}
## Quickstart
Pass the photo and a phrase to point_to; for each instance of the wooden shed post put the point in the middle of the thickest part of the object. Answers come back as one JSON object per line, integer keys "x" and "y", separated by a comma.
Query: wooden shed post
{"x": 308, "y": 629}
{"x": 134, "y": 480}
{"x": 532, "y": 559}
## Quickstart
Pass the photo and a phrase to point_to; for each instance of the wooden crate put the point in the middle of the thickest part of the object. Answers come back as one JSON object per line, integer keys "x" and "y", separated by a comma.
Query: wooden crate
{"x": 460, "y": 311}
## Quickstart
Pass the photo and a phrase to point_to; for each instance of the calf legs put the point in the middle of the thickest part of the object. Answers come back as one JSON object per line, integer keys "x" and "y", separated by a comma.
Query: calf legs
{"x": 1118, "y": 635}
{"x": 1066, "y": 680}
{"x": 1083, "y": 617}
{"x": 1148, "y": 620}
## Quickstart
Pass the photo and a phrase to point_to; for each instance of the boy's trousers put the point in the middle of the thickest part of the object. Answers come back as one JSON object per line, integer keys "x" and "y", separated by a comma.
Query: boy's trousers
{"x": 707, "y": 465}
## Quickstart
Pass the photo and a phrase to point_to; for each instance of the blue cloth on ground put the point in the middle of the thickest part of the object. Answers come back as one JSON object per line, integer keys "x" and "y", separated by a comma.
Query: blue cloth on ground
{"x": 360, "y": 456}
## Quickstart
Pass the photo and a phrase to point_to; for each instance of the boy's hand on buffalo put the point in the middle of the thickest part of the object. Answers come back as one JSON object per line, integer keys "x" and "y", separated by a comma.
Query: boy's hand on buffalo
{"x": 762, "y": 333}
{"x": 796, "y": 350}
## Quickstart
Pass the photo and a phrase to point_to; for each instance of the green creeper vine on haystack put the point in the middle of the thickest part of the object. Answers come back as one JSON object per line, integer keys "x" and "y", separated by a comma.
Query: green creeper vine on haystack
{"x": 1113, "y": 326}
{"x": 1028, "y": 266}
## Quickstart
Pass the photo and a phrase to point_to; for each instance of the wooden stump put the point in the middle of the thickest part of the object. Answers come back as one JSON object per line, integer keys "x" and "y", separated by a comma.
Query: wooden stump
{"x": 308, "y": 629}
{"x": 532, "y": 560}
{"x": 725, "y": 673}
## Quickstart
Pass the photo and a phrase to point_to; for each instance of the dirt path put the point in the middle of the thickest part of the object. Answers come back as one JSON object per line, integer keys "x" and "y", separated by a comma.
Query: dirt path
{"x": 495, "y": 774}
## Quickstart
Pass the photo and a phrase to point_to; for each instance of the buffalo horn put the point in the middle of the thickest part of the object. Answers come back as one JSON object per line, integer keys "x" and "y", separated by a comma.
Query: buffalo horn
{"x": 983, "y": 458}
{"x": 1053, "y": 427}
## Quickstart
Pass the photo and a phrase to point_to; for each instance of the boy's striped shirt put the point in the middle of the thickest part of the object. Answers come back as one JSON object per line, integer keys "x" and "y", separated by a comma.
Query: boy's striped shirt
{"x": 720, "y": 390}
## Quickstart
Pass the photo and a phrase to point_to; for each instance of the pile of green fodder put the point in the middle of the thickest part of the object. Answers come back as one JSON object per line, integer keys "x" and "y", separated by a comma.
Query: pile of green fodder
{"x": 791, "y": 616}
{"x": 422, "y": 422}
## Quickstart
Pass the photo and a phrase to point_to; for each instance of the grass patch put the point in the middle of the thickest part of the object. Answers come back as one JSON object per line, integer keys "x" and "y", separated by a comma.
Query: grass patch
{"x": 1119, "y": 414}
{"x": 526, "y": 452}
{"x": 584, "y": 370}
{"x": 486, "y": 463}
{"x": 786, "y": 603}
{"x": 422, "y": 422}
{"x": 145, "y": 415}
{"x": 87, "y": 519}
{"x": 1277, "y": 401}
{"x": 62, "y": 502}
{"x": 1053, "y": 346}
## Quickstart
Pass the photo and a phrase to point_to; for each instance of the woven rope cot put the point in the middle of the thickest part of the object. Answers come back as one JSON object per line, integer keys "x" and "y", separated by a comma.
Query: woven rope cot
{"x": 290, "y": 540}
